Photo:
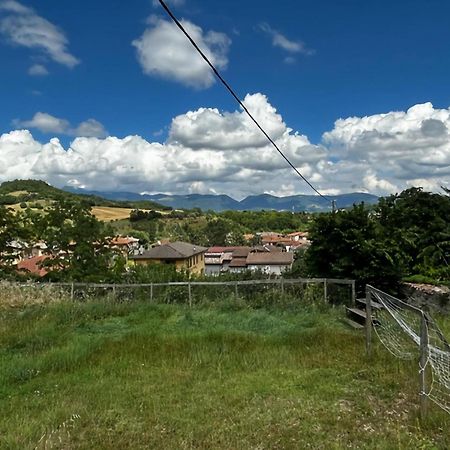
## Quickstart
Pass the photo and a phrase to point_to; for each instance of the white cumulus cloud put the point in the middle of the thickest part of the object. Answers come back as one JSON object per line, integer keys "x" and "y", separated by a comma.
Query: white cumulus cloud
{"x": 164, "y": 51}
{"x": 398, "y": 146}
{"x": 22, "y": 26}
{"x": 50, "y": 124}
{"x": 209, "y": 128}
{"x": 211, "y": 151}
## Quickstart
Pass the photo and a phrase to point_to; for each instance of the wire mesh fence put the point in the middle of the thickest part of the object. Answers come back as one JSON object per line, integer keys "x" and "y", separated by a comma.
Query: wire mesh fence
{"x": 254, "y": 293}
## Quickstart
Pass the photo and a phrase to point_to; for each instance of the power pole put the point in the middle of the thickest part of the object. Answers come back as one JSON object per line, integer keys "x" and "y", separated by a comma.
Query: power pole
{"x": 333, "y": 206}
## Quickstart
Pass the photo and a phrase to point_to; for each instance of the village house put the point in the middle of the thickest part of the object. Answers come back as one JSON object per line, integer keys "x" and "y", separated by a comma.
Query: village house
{"x": 39, "y": 248}
{"x": 271, "y": 263}
{"x": 217, "y": 259}
{"x": 182, "y": 255}
{"x": 16, "y": 251}
{"x": 298, "y": 236}
{"x": 33, "y": 266}
{"x": 240, "y": 259}
{"x": 124, "y": 244}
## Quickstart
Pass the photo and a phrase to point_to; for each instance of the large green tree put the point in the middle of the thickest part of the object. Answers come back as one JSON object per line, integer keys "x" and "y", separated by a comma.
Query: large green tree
{"x": 349, "y": 244}
{"x": 77, "y": 242}
{"x": 419, "y": 222}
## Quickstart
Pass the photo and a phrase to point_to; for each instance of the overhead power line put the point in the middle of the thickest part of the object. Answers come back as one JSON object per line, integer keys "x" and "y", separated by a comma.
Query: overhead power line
{"x": 231, "y": 91}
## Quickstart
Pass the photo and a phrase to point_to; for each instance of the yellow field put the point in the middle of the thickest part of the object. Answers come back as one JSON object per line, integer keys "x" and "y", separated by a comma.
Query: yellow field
{"x": 107, "y": 213}
{"x": 17, "y": 193}
{"x": 103, "y": 213}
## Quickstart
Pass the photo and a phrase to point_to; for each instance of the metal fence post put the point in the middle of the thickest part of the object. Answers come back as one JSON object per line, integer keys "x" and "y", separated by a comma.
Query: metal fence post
{"x": 282, "y": 286}
{"x": 236, "y": 289}
{"x": 423, "y": 365}
{"x": 71, "y": 292}
{"x": 325, "y": 290}
{"x": 190, "y": 295}
{"x": 151, "y": 292}
{"x": 368, "y": 322}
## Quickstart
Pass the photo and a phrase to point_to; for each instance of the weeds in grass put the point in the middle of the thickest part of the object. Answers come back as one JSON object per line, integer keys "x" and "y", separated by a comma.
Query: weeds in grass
{"x": 16, "y": 295}
{"x": 225, "y": 374}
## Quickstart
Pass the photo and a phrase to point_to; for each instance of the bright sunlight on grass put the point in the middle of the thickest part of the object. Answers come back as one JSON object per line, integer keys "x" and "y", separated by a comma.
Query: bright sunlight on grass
{"x": 104, "y": 375}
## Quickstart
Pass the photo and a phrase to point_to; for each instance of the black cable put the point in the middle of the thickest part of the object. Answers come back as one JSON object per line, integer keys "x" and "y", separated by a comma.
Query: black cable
{"x": 169, "y": 12}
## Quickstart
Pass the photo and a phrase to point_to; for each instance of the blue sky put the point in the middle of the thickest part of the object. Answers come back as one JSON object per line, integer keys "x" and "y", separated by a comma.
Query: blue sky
{"x": 315, "y": 62}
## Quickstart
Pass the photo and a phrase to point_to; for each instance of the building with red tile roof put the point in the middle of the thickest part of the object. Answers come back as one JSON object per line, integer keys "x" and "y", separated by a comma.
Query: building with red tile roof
{"x": 33, "y": 265}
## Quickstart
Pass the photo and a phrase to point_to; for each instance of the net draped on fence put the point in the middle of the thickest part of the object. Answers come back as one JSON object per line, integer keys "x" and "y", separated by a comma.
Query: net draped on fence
{"x": 398, "y": 326}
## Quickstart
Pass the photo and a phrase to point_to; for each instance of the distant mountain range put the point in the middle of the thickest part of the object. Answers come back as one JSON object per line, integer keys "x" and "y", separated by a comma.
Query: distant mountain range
{"x": 308, "y": 203}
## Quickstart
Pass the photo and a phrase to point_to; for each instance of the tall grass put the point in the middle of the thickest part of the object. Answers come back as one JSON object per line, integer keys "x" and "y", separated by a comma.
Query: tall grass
{"x": 121, "y": 375}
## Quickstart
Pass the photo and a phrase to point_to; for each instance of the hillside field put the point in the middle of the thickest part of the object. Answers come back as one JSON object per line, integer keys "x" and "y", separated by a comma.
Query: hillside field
{"x": 108, "y": 213}
{"x": 103, "y": 213}
{"x": 109, "y": 375}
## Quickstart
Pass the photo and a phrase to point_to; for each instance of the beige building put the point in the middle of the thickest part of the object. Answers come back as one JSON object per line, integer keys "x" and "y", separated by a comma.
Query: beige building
{"x": 182, "y": 255}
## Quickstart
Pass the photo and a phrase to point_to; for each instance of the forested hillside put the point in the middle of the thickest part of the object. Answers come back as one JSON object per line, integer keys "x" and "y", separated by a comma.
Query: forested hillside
{"x": 32, "y": 191}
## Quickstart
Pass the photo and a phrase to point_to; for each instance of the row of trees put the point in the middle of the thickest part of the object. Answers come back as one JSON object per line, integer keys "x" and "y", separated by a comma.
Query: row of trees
{"x": 210, "y": 228}
{"x": 404, "y": 235}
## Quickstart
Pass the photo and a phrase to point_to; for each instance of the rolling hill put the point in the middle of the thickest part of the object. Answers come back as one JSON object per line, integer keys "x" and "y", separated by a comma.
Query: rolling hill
{"x": 18, "y": 191}
{"x": 309, "y": 203}
{"x": 35, "y": 191}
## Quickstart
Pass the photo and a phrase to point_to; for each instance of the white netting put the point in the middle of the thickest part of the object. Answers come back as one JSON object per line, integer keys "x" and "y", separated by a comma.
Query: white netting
{"x": 397, "y": 328}
{"x": 439, "y": 359}
{"x": 397, "y": 324}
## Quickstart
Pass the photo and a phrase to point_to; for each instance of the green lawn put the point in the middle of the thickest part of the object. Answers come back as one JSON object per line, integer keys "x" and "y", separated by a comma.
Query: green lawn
{"x": 101, "y": 375}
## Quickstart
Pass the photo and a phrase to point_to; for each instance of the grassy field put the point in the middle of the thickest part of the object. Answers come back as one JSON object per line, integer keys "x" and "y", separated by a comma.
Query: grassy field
{"x": 104, "y": 375}
{"x": 103, "y": 213}
{"x": 106, "y": 214}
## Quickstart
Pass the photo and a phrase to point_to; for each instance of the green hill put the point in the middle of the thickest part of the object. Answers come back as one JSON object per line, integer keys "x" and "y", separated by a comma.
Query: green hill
{"x": 20, "y": 191}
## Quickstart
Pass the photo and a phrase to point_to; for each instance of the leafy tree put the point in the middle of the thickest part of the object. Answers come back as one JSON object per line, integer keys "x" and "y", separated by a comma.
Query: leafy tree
{"x": 216, "y": 231}
{"x": 219, "y": 231}
{"x": 77, "y": 241}
{"x": 138, "y": 214}
{"x": 9, "y": 231}
{"x": 419, "y": 223}
{"x": 348, "y": 244}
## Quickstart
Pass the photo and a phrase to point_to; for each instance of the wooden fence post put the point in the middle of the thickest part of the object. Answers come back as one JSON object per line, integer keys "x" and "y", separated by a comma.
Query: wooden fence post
{"x": 368, "y": 322}
{"x": 423, "y": 365}
{"x": 353, "y": 293}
